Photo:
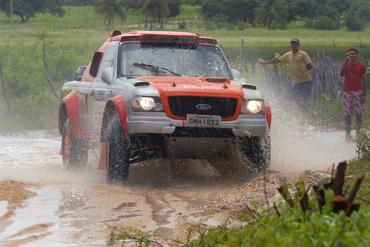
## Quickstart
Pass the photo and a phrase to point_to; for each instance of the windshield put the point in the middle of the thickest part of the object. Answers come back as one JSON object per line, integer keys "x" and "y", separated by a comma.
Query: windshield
{"x": 170, "y": 60}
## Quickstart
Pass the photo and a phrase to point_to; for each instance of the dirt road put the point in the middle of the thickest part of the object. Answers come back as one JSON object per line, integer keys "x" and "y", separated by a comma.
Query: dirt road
{"x": 41, "y": 204}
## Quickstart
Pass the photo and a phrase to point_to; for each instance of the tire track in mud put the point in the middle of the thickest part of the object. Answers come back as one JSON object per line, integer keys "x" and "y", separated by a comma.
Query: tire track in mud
{"x": 15, "y": 194}
{"x": 79, "y": 208}
{"x": 28, "y": 234}
{"x": 168, "y": 211}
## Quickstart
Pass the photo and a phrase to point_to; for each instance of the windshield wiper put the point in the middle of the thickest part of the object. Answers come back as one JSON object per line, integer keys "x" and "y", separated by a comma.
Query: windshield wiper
{"x": 154, "y": 68}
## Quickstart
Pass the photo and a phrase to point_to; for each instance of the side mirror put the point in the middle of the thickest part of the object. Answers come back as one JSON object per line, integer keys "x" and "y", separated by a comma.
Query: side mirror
{"x": 236, "y": 74}
{"x": 79, "y": 73}
{"x": 107, "y": 75}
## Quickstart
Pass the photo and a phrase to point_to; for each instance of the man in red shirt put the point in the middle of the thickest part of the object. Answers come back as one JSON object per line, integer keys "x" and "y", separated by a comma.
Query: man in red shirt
{"x": 354, "y": 73}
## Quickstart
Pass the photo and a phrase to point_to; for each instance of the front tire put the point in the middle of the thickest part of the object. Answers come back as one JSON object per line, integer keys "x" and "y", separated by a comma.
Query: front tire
{"x": 257, "y": 150}
{"x": 118, "y": 158}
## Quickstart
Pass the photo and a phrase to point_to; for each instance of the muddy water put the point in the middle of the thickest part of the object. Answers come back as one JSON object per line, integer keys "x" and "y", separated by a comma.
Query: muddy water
{"x": 55, "y": 207}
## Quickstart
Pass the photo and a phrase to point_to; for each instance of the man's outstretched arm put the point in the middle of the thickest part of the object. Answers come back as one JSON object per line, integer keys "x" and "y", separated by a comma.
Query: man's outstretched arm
{"x": 271, "y": 61}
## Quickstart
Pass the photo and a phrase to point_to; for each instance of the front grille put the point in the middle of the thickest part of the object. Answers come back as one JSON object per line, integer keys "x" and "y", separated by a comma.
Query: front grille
{"x": 203, "y": 132}
{"x": 183, "y": 105}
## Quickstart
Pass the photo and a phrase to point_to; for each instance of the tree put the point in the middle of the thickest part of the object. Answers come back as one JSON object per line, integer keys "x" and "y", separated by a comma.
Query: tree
{"x": 213, "y": 10}
{"x": 26, "y": 9}
{"x": 357, "y": 15}
{"x": 155, "y": 11}
{"x": 110, "y": 9}
{"x": 192, "y": 2}
{"x": 78, "y": 2}
{"x": 134, "y": 4}
{"x": 174, "y": 8}
{"x": 315, "y": 8}
{"x": 271, "y": 12}
{"x": 229, "y": 10}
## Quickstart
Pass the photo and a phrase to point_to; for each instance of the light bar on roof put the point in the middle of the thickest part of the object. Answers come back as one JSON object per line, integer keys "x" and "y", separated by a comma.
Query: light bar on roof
{"x": 169, "y": 39}
{"x": 155, "y": 38}
{"x": 203, "y": 40}
{"x": 130, "y": 38}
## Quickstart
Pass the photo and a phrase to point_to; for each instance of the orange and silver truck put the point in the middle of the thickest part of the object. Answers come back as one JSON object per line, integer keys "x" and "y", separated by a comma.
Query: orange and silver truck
{"x": 150, "y": 94}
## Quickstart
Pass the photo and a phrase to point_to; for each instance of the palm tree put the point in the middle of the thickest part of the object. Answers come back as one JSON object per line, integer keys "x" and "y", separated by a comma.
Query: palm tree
{"x": 155, "y": 11}
{"x": 109, "y": 9}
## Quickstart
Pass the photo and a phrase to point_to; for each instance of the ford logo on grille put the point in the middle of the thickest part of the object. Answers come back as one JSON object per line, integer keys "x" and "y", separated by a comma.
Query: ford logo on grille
{"x": 203, "y": 107}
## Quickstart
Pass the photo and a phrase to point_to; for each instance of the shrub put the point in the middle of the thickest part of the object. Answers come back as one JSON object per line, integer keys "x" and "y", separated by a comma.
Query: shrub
{"x": 181, "y": 25}
{"x": 323, "y": 220}
{"x": 323, "y": 23}
{"x": 355, "y": 23}
{"x": 216, "y": 22}
{"x": 363, "y": 144}
{"x": 290, "y": 229}
{"x": 279, "y": 24}
{"x": 241, "y": 25}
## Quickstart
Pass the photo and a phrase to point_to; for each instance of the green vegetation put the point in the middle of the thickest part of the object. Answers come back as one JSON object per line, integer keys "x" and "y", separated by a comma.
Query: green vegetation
{"x": 141, "y": 238}
{"x": 110, "y": 9}
{"x": 297, "y": 228}
{"x": 277, "y": 14}
{"x": 26, "y": 9}
{"x": 156, "y": 11}
{"x": 291, "y": 226}
{"x": 71, "y": 40}
{"x": 363, "y": 144}
{"x": 294, "y": 229}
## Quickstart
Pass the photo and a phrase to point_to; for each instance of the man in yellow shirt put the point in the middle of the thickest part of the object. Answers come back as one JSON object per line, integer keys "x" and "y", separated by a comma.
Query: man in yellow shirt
{"x": 299, "y": 64}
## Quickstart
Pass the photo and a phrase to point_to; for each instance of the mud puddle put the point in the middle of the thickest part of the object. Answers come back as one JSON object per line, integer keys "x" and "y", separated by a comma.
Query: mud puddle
{"x": 41, "y": 204}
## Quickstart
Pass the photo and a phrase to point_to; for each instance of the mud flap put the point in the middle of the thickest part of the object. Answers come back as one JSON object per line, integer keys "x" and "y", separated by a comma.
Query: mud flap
{"x": 103, "y": 156}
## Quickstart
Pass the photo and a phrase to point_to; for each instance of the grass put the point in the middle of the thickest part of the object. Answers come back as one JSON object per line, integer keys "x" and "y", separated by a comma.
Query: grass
{"x": 72, "y": 39}
{"x": 81, "y": 22}
{"x": 362, "y": 167}
{"x": 295, "y": 228}
{"x": 292, "y": 228}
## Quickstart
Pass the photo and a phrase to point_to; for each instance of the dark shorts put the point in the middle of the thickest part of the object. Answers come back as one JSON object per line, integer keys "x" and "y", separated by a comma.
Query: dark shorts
{"x": 302, "y": 90}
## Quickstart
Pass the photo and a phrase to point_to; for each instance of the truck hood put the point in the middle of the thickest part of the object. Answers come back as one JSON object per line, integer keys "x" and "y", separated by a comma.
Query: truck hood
{"x": 194, "y": 86}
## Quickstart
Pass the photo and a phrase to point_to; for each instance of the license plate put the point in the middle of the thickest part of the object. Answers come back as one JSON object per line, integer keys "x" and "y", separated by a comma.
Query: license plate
{"x": 194, "y": 120}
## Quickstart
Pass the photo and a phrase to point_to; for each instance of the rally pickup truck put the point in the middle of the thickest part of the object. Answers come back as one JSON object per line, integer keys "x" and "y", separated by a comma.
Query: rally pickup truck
{"x": 149, "y": 94}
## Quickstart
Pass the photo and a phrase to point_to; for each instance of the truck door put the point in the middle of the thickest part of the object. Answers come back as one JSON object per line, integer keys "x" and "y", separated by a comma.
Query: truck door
{"x": 99, "y": 92}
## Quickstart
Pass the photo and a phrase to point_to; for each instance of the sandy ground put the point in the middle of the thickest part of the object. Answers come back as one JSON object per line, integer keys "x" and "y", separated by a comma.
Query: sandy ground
{"x": 41, "y": 204}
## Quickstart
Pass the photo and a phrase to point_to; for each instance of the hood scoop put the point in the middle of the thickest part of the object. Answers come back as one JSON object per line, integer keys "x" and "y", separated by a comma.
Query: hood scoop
{"x": 141, "y": 84}
{"x": 249, "y": 86}
{"x": 216, "y": 79}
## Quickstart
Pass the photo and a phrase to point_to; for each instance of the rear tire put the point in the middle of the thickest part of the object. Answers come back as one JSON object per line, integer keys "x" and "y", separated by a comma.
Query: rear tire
{"x": 74, "y": 151}
{"x": 257, "y": 150}
{"x": 118, "y": 158}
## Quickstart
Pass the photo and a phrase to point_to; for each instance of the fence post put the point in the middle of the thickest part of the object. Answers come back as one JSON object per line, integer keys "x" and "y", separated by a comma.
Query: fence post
{"x": 241, "y": 66}
{"x": 3, "y": 89}
{"x": 46, "y": 68}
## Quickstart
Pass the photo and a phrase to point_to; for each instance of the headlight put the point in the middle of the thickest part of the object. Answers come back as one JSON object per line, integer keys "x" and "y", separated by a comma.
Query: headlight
{"x": 147, "y": 104}
{"x": 254, "y": 106}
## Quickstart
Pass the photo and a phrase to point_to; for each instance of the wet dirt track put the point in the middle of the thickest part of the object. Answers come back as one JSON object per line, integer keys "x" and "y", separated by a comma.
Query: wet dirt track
{"x": 41, "y": 204}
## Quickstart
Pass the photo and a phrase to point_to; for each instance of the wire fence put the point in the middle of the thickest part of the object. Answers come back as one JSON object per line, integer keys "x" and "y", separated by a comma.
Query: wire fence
{"x": 325, "y": 74}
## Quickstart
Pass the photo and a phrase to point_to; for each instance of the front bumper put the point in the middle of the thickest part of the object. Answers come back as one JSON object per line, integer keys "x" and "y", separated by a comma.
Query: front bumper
{"x": 159, "y": 123}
